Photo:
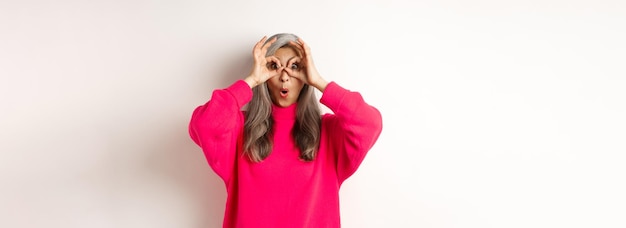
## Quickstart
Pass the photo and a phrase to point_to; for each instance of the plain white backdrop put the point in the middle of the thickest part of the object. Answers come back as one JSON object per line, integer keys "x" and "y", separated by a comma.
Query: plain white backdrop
{"x": 496, "y": 113}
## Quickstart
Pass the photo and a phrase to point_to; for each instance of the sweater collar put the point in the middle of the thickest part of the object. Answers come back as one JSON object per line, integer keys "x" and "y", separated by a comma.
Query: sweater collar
{"x": 286, "y": 113}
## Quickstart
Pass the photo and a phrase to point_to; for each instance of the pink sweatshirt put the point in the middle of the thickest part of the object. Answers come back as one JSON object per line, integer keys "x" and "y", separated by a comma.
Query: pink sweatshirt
{"x": 283, "y": 191}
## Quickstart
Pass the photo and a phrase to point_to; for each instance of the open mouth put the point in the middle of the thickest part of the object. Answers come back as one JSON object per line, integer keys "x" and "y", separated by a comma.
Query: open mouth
{"x": 284, "y": 92}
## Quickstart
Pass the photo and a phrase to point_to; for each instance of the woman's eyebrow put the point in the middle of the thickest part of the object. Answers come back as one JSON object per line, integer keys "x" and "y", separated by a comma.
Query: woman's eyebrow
{"x": 292, "y": 58}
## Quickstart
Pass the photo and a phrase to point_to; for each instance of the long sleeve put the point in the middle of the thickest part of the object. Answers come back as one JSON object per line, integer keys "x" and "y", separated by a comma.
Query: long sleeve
{"x": 354, "y": 127}
{"x": 217, "y": 125}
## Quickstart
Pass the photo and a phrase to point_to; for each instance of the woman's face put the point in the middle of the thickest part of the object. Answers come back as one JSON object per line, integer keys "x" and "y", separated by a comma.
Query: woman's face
{"x": 284, "y": 89}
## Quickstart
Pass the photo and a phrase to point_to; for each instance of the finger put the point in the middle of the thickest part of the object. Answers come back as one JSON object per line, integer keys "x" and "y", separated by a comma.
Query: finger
{"x": 258, "y": 44}
{"x": 295, "y": 43}
{"x": 292, "y": 61}
{"x": 305, "y": 52}
{"x": 303, "y": 49}
{"x": 290, "y": 72}
{"x": 275, "y": 72}
{"x": 297, "y": 47}
{"x": 270, "y": 42}
{"x": 272, "y": 63}
{"x": 305, "y": 46}
{"x": 301, "y": 41}
{"x": 294, "y": 74}
{"x": 267, "y": 45}
{"x": 273, "y": 59}
{"x": 262, "y": 41}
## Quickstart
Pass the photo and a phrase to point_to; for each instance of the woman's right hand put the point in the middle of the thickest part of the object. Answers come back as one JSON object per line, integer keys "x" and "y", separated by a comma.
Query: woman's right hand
{"x": 264, "y": 68}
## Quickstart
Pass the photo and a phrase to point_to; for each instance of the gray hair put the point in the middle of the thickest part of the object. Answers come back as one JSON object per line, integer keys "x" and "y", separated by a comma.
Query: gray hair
{"x": 258, "y": 135}
{"x": 282, "y": 40}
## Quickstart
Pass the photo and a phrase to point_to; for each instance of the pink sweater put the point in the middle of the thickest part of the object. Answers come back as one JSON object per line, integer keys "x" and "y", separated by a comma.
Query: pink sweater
{"x": 283, "y": 191}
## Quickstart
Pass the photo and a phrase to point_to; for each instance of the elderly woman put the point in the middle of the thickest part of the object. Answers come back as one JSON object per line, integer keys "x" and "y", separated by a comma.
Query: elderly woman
{"x": 281, "y": 160}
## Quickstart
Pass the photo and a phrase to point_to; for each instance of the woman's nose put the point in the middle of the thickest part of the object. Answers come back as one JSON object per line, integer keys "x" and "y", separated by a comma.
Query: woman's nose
{"x": 284, "y": 77}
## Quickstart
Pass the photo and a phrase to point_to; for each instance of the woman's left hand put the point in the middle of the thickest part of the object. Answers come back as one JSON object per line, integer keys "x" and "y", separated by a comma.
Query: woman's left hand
{"x": 303, "y": 68}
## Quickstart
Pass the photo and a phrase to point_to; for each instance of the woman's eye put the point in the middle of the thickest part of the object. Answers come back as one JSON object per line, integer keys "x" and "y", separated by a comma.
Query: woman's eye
{"x": 294, "y": 66}
{"x": 273, "y": 66}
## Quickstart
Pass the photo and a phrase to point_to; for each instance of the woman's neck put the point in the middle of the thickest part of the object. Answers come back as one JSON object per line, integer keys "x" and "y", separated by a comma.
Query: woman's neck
{"x": 284, "y": 113}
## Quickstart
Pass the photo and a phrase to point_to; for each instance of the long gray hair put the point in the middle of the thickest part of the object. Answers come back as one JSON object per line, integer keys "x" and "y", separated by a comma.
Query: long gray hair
{"x": 258, "y": 135}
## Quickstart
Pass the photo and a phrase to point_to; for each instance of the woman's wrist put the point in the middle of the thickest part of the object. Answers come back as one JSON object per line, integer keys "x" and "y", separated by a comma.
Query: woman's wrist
{"x": 251, "y": 81}
{"x": 320, "y": 84}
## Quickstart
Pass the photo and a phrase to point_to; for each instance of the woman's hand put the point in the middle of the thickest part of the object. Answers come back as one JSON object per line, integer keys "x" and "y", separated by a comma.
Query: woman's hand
{"x": 264, "y": 68}
{"x": 303, "y": 68}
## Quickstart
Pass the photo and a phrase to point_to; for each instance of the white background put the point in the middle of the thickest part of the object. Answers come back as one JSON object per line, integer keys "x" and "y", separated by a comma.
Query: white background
{"x": 496, "y": 113}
